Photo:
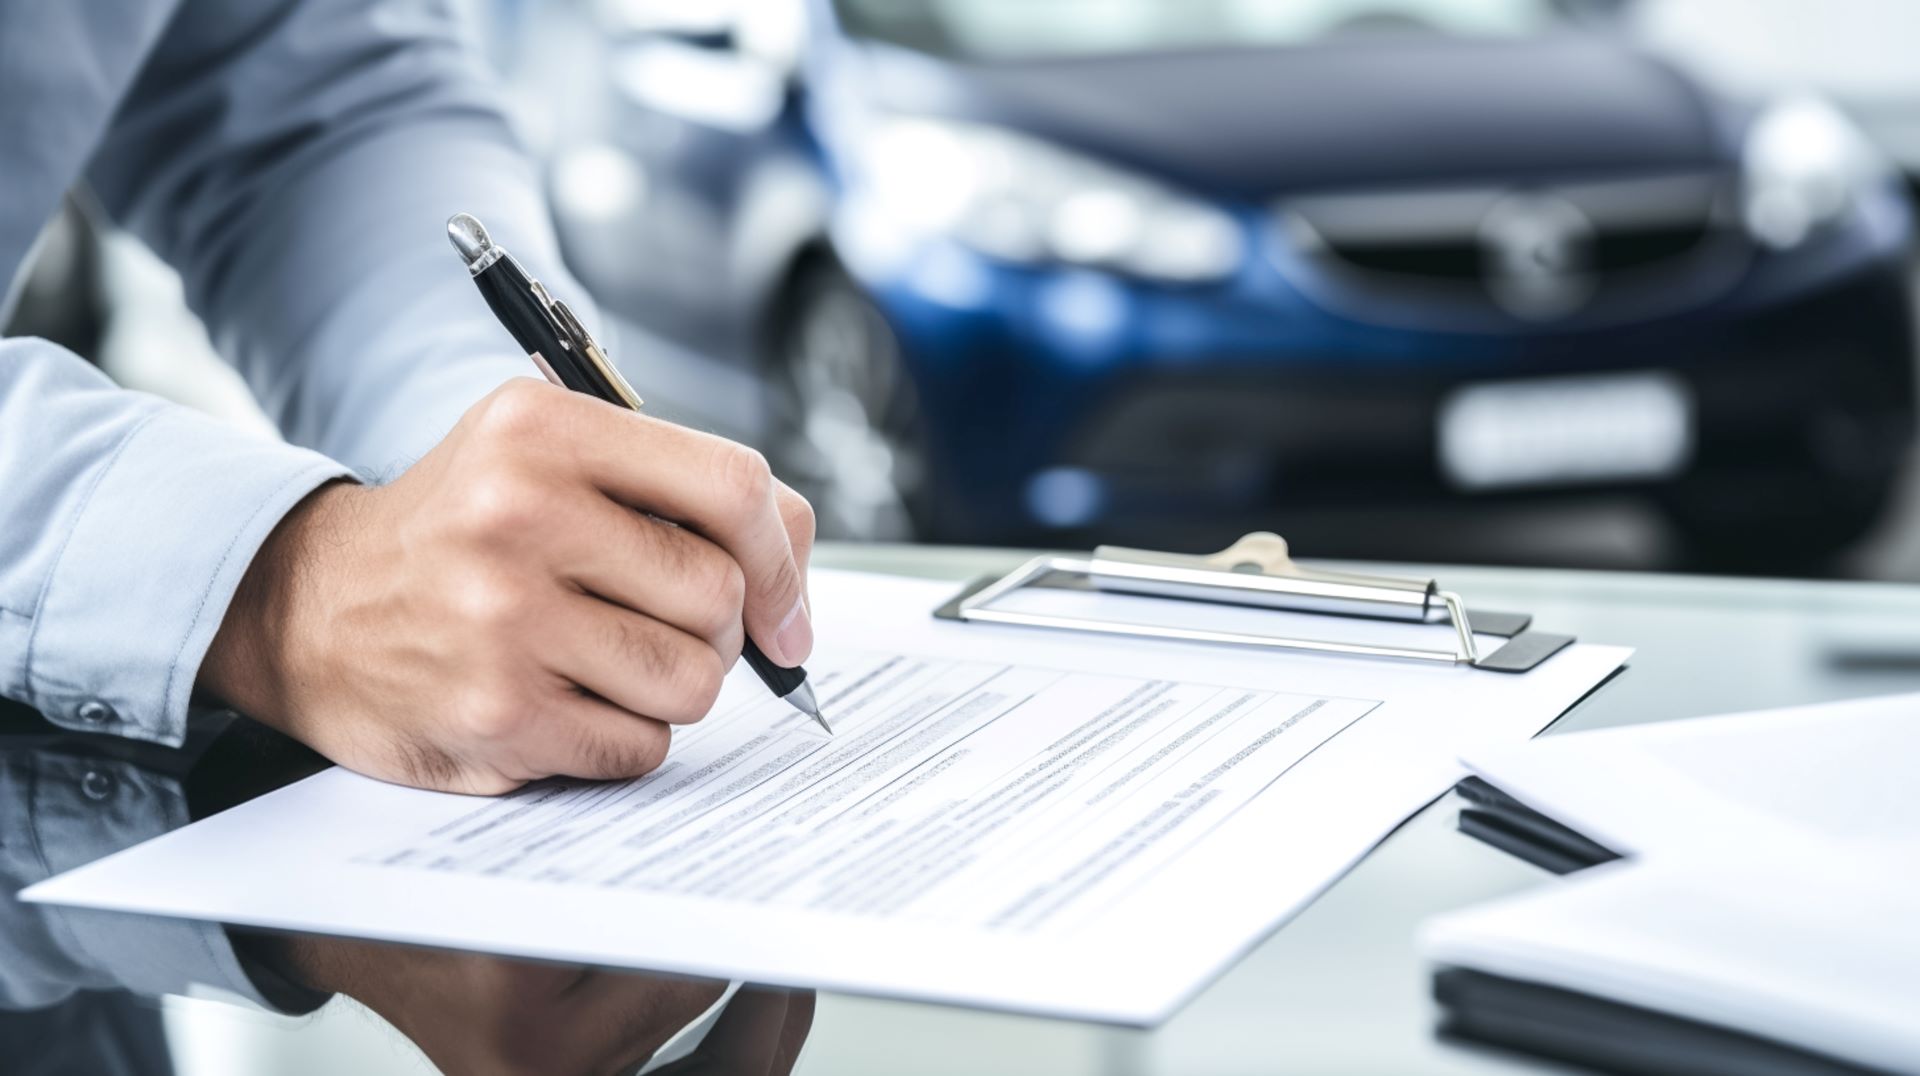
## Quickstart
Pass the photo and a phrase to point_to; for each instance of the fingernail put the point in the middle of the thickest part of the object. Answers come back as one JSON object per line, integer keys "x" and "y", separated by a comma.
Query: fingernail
{"x": 794, "y": 636}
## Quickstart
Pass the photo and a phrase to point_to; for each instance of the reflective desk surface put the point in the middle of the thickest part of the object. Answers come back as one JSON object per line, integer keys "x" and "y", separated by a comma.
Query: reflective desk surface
{"x": 1341, "y": 989}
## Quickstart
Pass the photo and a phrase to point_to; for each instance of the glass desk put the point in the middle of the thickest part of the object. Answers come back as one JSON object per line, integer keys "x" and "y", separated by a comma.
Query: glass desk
{"x": 1340, "y": 989}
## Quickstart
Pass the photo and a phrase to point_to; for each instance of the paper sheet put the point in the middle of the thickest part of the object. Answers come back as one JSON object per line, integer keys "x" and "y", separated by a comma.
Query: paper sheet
{"x": 1769, "y": 887}
{"x": 1815, "y": 949}
{"x": 1008, "y": 817}
{"x": 1834, "y": 774}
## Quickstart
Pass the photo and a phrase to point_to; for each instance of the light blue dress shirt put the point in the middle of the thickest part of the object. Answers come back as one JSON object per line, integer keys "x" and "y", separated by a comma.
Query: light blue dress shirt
{"x": 59, "y": 809}
{"x": 296, "y": 161}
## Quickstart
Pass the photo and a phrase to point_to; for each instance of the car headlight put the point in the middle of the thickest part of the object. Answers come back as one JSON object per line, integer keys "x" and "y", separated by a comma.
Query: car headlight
{"x": 1804, "y": 163}
{"x": 1020, "y": 199}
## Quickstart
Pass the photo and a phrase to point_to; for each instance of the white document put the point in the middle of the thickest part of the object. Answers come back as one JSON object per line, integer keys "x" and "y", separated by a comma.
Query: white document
{"x": 1771, "y": 884}
{"x": 1807, "y": 947}
{"x": 1841, "y": 775}
{"x": 1007, "y": 817}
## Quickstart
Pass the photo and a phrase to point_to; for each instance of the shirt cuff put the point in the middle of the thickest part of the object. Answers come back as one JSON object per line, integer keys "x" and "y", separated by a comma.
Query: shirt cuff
{"x": 156, "y": 551}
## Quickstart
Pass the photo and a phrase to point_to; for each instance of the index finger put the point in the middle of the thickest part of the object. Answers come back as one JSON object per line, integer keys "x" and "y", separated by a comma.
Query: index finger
{"x": 721, "y": 489}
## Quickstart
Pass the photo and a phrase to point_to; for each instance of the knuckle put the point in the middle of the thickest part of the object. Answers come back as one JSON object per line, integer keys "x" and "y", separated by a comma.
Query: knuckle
{"x": 728, "y": 596}
{"x": 652, "y": 750}
{"x": 502, "y": 502}
{"x": 493, "y": 716}
{"x": 697, "y": 680}
{"x": 711, "y": 588}
{"x": 494, "y": 604}
{"x": 744, "y": 480}
{"x": 644, "y": 647}
{"x": 802, "y": 524}
{"x": 713, "y": 677}
{"x": 637, "y": 750}
{"x": 515, "y": 409}
{"x": 489, "y": 784}
{"x": 424, "y": 765}
{"x": 730, "y": 641}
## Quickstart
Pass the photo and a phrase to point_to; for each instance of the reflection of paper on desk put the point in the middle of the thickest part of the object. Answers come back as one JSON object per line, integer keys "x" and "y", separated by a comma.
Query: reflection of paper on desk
{"x": 1008, "y": 817}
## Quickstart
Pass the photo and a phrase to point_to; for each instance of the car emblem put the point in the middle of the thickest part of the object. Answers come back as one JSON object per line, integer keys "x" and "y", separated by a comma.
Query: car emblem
{"x": 1537, "y": 253}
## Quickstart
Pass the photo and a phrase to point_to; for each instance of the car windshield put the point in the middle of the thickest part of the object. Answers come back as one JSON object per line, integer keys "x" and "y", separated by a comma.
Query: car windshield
{"x": 1007, "y": 29}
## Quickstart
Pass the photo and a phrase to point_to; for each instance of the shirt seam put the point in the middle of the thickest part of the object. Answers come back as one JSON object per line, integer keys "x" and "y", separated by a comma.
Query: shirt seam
{"x": 199, "y": 610}
{"x": 66, "y": 540}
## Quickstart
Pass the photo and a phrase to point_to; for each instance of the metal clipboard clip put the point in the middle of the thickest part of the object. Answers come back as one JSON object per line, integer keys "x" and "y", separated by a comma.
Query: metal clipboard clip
{"x": 1258, "y": 571}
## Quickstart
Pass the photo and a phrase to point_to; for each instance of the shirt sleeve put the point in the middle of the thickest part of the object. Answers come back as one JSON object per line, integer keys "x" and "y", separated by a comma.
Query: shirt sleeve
{"x": 64, "y": 810}
{"x": 297, "y": 161}
{"x": 129, "y": 523}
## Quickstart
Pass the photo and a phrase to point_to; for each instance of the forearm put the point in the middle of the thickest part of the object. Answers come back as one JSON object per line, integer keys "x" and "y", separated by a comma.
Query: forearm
{"x": 370, "y": 344}
{"x": 129, "y": 524}
{"x": 309, "y": 220}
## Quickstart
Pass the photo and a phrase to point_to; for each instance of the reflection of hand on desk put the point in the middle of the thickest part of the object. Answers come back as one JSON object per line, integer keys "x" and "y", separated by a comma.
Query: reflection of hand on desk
{"x": 481, "y": 1014}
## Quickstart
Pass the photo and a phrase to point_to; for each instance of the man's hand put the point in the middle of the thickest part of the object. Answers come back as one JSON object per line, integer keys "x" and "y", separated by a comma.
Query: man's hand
{"x": 505, "y": 610}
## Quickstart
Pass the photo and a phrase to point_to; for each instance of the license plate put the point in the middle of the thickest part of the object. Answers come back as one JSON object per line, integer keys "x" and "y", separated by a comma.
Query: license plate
{"x": 1566, "y": 431}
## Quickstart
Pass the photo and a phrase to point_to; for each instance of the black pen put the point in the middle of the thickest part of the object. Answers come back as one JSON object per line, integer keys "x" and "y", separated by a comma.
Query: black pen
{"x": 557, "y": 343}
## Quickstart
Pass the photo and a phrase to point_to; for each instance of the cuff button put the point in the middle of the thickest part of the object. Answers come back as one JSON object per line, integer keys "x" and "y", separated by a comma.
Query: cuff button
{"x": 96, "y": 785}
{"x": 96, "y": 713}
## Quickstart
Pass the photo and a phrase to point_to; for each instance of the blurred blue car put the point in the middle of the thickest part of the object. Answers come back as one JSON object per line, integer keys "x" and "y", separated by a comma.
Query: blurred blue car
{"x": 1159, "y": 269}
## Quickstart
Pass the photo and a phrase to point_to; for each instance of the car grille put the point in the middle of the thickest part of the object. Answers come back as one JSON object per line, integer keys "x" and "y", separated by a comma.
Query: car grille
{"x": 1467, "y": 258}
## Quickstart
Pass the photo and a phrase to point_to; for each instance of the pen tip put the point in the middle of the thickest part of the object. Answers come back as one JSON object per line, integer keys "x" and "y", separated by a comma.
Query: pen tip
{"x": 802, "y": 699}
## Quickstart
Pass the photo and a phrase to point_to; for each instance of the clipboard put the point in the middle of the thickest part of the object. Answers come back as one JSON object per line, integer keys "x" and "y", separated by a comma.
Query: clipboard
{"x": 1259, "y": 570}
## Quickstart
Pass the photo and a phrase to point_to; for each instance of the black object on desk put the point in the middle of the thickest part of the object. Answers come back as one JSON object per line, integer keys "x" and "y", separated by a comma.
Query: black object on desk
{"x": 566, "y": 353}
{"x": 1584, "y": 1029}
{"x": 1609, "y": 1036}
{"x": 1498, "y": 819}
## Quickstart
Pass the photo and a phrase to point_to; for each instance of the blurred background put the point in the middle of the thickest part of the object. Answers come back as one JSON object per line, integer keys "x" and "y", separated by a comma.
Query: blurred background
{"x": 1596, "y": 283}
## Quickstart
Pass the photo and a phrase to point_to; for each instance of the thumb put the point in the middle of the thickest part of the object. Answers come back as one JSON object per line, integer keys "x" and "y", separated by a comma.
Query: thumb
{"x": 797, "y": 515}
{"x": 756, "y": 535}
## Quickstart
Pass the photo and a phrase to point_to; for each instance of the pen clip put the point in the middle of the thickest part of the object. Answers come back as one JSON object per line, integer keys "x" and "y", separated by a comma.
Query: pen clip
{"x": 547, "y": 303}
{"x": 575, "y": 336}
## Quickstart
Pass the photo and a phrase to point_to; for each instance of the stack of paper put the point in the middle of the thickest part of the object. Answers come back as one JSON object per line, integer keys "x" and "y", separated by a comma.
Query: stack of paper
{"x": 1770, "y": 885}
{"x": 1006, "y": 817}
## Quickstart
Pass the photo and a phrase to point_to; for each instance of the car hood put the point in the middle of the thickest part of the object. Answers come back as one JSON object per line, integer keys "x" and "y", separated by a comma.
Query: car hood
{"x": 1254, "y": 123}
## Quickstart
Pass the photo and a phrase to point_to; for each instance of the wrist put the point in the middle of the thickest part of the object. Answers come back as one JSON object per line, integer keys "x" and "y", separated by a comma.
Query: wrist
{"x": 248, "y": 666}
